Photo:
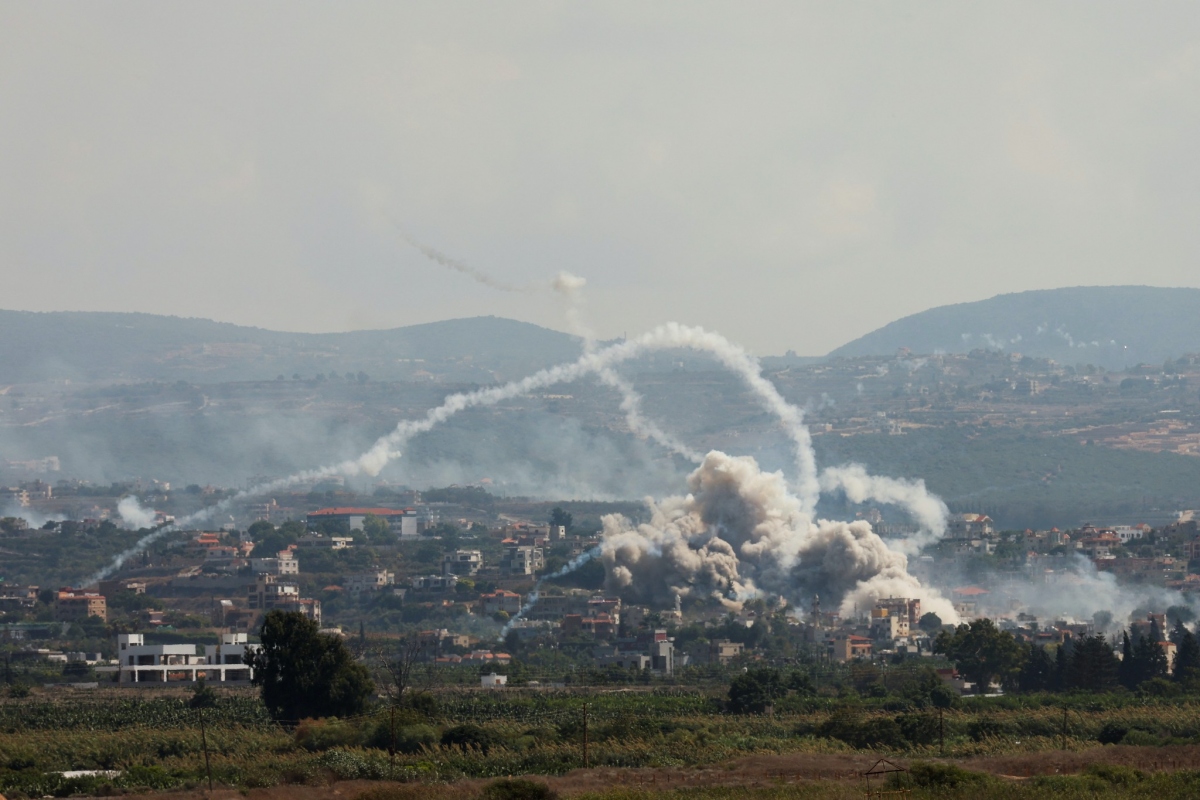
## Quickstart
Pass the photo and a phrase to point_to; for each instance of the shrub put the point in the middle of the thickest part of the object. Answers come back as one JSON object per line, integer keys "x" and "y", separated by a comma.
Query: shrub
{"x": 518, "y": 789}
{"x": 469, "y": 736}
{"x": 919, "y": 729}
{"x": 982, "y": 729}
{"x": 941, "y": 776}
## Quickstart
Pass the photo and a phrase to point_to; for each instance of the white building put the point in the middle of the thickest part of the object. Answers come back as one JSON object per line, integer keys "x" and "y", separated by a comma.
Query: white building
{"x": 493, "y": 681}
{"x": 434, "y": 583}
{"x": 522, "y": 560}
{"x": 462, "y": 562}
{"x": 371, "y": 581}
{"x": 284, "y": 563}
{"x": 139, "y": 662}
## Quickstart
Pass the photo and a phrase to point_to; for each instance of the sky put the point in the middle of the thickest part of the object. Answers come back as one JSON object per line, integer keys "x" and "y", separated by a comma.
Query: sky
{"x": 790, "y": 174}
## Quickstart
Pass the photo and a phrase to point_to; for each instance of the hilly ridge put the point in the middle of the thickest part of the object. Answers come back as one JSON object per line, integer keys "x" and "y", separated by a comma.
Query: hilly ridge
{"x": 77, "y": 345}
{"x": 1109, "y": 326}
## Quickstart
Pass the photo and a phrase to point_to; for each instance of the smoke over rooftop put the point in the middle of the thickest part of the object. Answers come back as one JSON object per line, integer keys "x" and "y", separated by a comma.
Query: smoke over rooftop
{"x": 739, "y": 533}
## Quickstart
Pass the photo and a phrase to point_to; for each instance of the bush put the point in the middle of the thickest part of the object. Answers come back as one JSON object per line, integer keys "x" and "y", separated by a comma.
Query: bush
{"x": 324, "y": 734}
{"x": 982, "y": 729}
{"x": 941, "y": 776}
{"x": 518, "y": 789}
{"x": 919, "y": 729}
{"x": 863, "y": 733}
{"x": 468, "y": 736}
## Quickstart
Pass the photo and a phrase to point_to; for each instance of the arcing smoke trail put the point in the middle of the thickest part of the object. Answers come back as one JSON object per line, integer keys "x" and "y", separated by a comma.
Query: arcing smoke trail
{"x": 669, "y": 336}
{"x": 571, "y": 288}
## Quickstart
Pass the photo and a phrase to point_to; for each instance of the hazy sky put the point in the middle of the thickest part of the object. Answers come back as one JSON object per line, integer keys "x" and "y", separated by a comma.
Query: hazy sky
{"x": 791, "y": 174}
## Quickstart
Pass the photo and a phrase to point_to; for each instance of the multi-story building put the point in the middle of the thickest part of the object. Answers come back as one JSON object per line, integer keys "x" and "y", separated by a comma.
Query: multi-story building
{"x": 500, "y": 600}
{"x": 283, "y": 563}
{"x": 434, "y": 583}
{"x": 969, "y": 526}
{"x": 163, "y": 663}
{"x": 268, "y": 594}
{"x": 72, "y": 605}
{"x": 462, "y": 562}
{"x": 326, "y": 542}
{"x": 522, "y": 560}
{"x": 847, "y": 647}
{"x": 371, "y": 581}
{"x": 401, "y": 522}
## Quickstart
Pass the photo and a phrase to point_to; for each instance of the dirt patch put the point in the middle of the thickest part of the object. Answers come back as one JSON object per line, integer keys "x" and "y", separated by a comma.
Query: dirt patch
{"x": 753, "y": 771}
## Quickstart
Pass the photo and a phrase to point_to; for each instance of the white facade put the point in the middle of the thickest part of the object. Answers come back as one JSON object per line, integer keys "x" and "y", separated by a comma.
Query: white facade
{"x": 369, "y": 581}
{"x": 139, "y": 662}
{"x": 462, "y": 562}
{"x": 493, "y": 681}
{"x": 284, "y": 563}
{"x": 434, "y": 582}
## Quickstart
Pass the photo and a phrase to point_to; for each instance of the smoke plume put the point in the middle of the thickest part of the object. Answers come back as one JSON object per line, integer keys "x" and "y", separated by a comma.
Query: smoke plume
{"x": 133, "y": 515}
{"x": 857, "y": 562}
{"x": 739, "y": 533}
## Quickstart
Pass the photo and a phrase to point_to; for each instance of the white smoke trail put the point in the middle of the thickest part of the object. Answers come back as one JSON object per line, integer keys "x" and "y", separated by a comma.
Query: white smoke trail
{"x": 928, "y": 510}
{"x": 566, "y": 569}
{"x": 133, "y": 515}
{"x": 669, "y": 336}
{"x": 460, "y": 267}
{"x": 570, "y": 287}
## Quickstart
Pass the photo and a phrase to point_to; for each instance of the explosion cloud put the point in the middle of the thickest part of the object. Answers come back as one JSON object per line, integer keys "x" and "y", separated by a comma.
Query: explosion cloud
{"x": 740, "y": 533}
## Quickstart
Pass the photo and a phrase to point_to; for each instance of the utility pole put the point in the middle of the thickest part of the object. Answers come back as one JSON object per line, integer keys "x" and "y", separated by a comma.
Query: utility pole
{"x": 392, "y": 749}
{"x": 586, "y": 762}
{"x": 204, "y": 743}
{"x": 942, "y": 730}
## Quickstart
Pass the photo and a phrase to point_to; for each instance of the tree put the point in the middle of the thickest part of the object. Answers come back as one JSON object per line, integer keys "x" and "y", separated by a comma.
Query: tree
{"x": 1038, "y": 673}
{"x": 754, "y": 690}
{"x": 559, "y": 516}
{"x": 930, "y": 622}
{"x": 376, "y": 529}
{"x": 1187, "y": 656}
{"x": 1093, "y": 666}
{"x": 305, "y": 673}
{"x": 981, "y": 652}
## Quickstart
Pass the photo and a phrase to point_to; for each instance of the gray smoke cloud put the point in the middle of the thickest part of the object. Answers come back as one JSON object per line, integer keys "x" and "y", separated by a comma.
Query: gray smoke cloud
{"x": 740, "y": 533}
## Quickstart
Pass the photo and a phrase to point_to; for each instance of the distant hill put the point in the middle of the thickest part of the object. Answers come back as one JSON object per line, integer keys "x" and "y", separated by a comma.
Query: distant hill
{"x": 1110, "y": 326}
{"x": 108, "y": 346}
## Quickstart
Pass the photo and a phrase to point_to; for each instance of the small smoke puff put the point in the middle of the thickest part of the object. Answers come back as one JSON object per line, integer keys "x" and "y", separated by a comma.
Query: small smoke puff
{"x": 566, "y": 283}
{"x": 133, "y": 515}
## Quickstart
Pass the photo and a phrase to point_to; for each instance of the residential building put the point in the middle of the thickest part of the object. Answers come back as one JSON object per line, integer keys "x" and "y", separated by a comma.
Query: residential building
{"x": 401, "y": 522}
{"x": 969, "y": 526}
{"x": 371, "y": 581}
{"x": 847, "y": 647}
{"x": 522, "y": 560}
{"x": 462, "y": 562}
{"x": 164, "y": 663}
{"x": 722, "y": 651}
{"x": 267, "y": 594}
{"x": 73, "y": 605}
{"x": 326, "y": 542}
{"x": 434, "y": 583}
{"x": 282, "y": 563}
{"x": 500, "y": 600}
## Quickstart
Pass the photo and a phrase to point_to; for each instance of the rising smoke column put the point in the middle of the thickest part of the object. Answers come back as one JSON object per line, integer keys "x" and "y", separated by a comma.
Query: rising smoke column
{"x": 739, "y": 533}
